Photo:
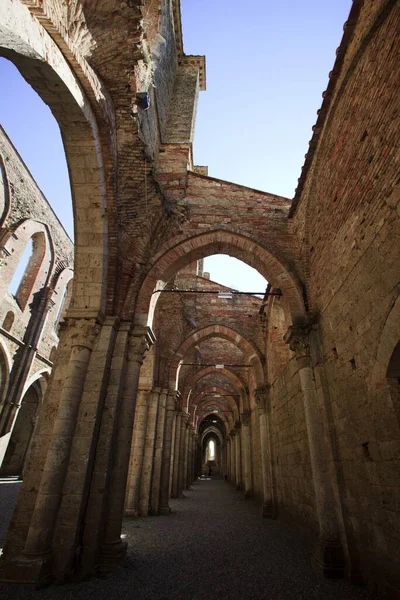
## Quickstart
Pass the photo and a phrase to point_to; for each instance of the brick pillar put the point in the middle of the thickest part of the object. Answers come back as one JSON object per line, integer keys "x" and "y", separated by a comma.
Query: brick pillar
{"x": 149, "y": 448}
{"x": 178, "y": 431}
{"x": 329, "y": 555}
{"x": 166, "y": 463}
{"x": 246, "y": 450}
{"x": 238, "y": 456}
{"x": 262, "y": 399}
{"x": 137, "y": 452}
{"x": 113, "y": 550}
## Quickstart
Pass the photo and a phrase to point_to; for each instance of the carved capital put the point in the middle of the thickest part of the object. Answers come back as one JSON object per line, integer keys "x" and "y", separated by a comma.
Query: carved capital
{"x": 297, "y": 338}
{"x": 141, "y": 340}
{"x": 246, "y": 417}
{"x": 82, "y": 332}
{"x": 262, "y": 398}
{"x": 237, "y": 426}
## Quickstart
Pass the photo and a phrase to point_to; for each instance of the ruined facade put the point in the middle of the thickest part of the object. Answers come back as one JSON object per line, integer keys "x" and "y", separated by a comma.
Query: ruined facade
{"x": 36, "y": 287}
{"x": 305, "y": 396}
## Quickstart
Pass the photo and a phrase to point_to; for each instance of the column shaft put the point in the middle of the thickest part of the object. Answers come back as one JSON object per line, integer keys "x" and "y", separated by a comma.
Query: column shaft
{"x": 166, "y": 455}
{"x": 137, "y": 452}
{"x": 149, "y": 452}
{"x": 178, "y": 431}
{"x": 158, "y": 453}
{"x": 113, "y": 550}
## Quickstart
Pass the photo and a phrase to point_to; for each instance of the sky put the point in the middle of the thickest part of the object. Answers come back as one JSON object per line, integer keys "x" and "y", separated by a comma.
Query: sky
{"x": 267, "y": 64}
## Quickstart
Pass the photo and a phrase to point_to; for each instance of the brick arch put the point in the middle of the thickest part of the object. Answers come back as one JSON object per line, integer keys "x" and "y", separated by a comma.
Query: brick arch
{"x": 46, "y": 66}
{"x": 238, "y": 384}
{"x": 229, "y": 415}
{"x": 176, "y": 256}
{"x": 248, "y": 349}
{"x": 212, "y": 430}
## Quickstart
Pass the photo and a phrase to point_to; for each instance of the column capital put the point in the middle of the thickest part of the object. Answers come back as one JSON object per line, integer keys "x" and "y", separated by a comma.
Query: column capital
{"x": 232, "y": 433}
{"x": 262, "y": 398}
{"x": 142, "y": 338}
{"x": 237, "y": 426}
{"x": 297, "y": 338}
{"x": 246, "y": 416}
{"x": 82, "y": 332}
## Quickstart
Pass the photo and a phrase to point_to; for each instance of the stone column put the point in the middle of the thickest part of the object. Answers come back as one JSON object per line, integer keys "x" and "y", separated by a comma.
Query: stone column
{"x": 92, "y": 534}
{"x": 194, "y": 445}
{"x": 149, "y": 449}
{"x": 246, "y": 449}
{"x": 137, "y": 453}
{"x": 233, "y": 457}
{"x": 34, "y": 565}
{"x": 329, "y": 556}
{"x": 238, "y": 456}
{"x": 189, "y": 478}
{"x": 166, "y": 463}
{"x": 178, "y": 431}
{"x": 158, "y": 452}
{"x": 113, "y": 550}
{"x": 185, "y": 482}
{"x": 228, "y": 457}
{"x": 263, "y": 405}
{"x": 183, "y": 455}
{"x": 171, "y": 468}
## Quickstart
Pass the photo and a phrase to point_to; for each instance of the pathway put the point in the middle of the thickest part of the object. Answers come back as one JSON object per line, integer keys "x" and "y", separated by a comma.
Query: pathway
{"x": 214, "y": 546}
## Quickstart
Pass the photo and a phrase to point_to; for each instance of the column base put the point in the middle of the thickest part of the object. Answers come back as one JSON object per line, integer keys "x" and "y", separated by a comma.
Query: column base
{"x": 328, "y": 559}
{"x": 164, "y": 510}
{"x": 130, "y": 512}
{"x": 111, "y": 556}
{"x": 239, "y": 487}
{"x": 247, "y": 494}
{"x": 31, "y": 570}
{"x": 268, "y": 511}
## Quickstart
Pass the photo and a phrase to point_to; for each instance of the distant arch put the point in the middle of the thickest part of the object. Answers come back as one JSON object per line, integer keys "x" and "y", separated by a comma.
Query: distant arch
{"x": 248, "y": 348}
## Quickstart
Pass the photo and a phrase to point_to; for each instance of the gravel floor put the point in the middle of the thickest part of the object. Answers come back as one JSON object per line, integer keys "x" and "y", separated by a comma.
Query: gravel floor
{"x": 214, "y": 546}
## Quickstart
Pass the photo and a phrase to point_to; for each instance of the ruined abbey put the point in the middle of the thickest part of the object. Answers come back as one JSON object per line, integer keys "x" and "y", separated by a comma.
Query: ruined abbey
{"x": 126, "y": 373}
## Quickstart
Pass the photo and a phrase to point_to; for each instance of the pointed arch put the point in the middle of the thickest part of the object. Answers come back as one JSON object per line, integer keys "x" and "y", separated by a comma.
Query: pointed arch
{"x": 47, "y": 68}
{"x": 177, "y": 255}
{"x": 248, "y": 348}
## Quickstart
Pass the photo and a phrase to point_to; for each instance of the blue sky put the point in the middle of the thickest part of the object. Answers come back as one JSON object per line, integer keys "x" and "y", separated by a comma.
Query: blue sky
{"x": 267, "y": 65}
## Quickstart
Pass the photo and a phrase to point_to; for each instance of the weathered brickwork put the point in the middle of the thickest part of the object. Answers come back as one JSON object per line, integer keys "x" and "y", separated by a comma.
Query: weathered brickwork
{"x": 304, "y": 405}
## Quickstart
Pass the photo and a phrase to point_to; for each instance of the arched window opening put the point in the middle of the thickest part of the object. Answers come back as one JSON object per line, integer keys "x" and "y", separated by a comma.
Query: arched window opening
{"x": 21, "y": 435}
{"x": 20, "y": 271}
{"x": 26, "y": 279}
{"x": 60, "y": 309}
{"x": 211, "y": 450}
{"x": 233, "y": 273}
{"x": 8, "y": 320}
